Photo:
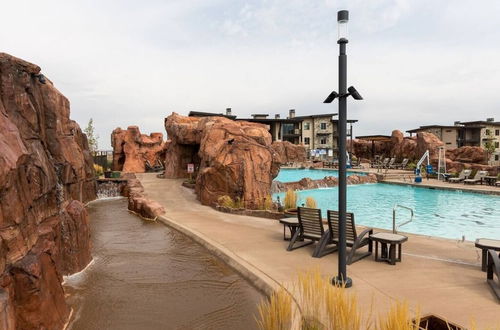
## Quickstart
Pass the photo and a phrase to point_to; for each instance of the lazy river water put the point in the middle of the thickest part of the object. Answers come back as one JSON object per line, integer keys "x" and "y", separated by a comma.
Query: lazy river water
{"x": 148, "y": 276}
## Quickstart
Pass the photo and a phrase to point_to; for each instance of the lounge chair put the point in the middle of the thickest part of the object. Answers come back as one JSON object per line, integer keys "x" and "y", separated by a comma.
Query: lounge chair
{"x": 310, "y": 227}
{"x": 403, "y": 164}
{"x": 493, "y": 270}
{"x": 391, "y": 163}
{"x": 461, "y": 177}
{"x": 353, "y": 240}
{"x": 382, "y": 164}
{"x": 477, "y": 178}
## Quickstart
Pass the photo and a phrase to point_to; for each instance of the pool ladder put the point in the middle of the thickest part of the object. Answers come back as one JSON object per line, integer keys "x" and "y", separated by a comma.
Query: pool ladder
{"x": 394, "y": 226}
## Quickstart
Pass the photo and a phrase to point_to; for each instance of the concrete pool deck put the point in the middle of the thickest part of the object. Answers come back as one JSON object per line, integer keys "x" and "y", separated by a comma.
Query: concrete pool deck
{"x": 440, "y": 276}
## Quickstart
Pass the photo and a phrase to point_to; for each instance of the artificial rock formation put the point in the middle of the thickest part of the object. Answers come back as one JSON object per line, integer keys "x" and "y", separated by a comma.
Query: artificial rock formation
{"x": 414, "y": 147}
{"x": 46, "y": 175}
{"x": 131, "y": 149}
{"x": 234, "y": 158}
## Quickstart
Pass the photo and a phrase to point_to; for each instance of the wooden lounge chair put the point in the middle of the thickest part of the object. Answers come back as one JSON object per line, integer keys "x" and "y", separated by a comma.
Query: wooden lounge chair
{"x": 461, "y": 177}
{"x": 310, "y": 227}
{"x": 493, "y": 270}
{"x": 353, "y": 240}
{"x": 477, "y": 178}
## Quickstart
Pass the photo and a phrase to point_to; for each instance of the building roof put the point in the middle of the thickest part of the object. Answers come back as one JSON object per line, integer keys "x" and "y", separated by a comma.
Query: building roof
{"x": 374, "y": 137}
{"x": 348, "y": 120}
{"x": 421, "y": 128}
{"x": 481, "y": 122}
{"x": 318, "y": 116}
{"x": 271, "y": 120}
{"x": 209, "y": 114}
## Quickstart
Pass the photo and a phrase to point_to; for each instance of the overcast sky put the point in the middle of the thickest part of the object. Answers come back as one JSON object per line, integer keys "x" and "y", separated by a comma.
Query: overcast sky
{"x": 134, "y": 62}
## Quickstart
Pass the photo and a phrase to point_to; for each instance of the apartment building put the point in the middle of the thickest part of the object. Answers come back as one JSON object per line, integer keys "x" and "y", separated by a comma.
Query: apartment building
{"x": 318, "y": 133}
{"x": 483, "y": 133}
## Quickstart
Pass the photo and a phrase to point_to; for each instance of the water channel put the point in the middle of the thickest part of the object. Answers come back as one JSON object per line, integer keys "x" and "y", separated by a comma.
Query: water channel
{"x": 147, "y": 276}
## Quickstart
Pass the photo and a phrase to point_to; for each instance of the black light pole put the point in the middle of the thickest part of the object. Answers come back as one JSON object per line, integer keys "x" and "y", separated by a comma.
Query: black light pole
{"x": 344, "y": 92}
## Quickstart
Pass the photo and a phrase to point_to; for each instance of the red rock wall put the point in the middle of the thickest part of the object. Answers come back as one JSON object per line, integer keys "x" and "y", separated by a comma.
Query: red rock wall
{"x": 46, "y": 174}
{"x": 234, "y": 158}
{"x": 131, "y": 149}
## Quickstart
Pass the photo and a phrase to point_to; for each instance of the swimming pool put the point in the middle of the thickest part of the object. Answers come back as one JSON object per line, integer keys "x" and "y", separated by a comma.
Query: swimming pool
{"x": 291, "y": 175}
{"x": 442, "y": 213}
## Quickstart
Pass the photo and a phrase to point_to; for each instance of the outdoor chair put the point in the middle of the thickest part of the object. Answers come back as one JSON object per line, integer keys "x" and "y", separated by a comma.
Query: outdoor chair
{"x": 391, "y": 163}
{"x": 383, "y": 164}
{"x": 461, "y": 177}
{"x": 493, "y": 270}
{"x": 310, "y": 227}
{"x": 403, "y": 164}
{"x": 477, "y": 178}
{"x": 353, "y": 240}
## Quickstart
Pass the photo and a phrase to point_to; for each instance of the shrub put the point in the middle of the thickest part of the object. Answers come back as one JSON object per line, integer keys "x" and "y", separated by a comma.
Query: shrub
{"x": 290, "y": 199}
{"x": 98, "y": 170}
{"x": 227, "y": 201}
{"x": 311, "y": 202}
{"x": 325, "y": 306}
{"x": 276, "y": 313}
{"x": 266, "y": 203}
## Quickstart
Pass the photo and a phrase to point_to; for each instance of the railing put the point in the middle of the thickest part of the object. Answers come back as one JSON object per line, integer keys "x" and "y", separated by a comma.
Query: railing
{"x": 394, "y": 226}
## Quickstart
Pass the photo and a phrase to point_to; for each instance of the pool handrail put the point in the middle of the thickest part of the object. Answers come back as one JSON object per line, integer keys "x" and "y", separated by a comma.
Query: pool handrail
{"x": 394, "y": 227}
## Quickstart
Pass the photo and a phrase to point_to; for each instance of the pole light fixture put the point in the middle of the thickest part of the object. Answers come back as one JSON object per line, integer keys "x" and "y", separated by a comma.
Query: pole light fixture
{"x": 342, "y": 18}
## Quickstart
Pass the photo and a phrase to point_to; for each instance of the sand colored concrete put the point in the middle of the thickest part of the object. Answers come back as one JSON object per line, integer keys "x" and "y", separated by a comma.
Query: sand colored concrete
{"x": 441, "y": 276}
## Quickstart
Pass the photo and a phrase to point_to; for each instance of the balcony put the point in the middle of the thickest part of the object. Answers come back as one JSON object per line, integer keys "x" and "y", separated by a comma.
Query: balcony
{"x": 292, "y": 132}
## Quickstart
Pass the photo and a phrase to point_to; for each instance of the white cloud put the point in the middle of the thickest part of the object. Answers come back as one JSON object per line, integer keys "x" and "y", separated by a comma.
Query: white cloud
{"x": 132, "y": 63}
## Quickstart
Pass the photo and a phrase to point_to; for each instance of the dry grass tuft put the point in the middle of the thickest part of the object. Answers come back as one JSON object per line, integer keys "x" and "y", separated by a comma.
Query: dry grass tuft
{"x": 311, "y": 202}
{"x": 399, "y": 318}
{"x": 276, "y": 313}
{"x": 290, "y": 199}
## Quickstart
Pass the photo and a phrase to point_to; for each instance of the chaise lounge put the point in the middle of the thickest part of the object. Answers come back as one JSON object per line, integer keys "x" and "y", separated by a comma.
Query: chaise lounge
{"x": 353, "y": 240}
{"x": 477, "y": 178}
{"x": 461, "y": 177}
{"x": 310, "y": 228}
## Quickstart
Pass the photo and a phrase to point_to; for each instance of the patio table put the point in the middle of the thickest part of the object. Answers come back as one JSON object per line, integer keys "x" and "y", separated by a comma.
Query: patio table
{"x": 292, "y": 224}
{"x": 486, "y": 244}
{"x": 490, "y": 180}
{"x": 393, "y": 240}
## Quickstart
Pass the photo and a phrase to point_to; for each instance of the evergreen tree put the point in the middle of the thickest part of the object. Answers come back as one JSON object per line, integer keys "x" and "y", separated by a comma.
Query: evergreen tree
{"x": 92, "y": 137}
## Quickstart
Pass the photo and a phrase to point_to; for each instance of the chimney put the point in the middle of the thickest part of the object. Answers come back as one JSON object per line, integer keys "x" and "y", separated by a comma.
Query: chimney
{"x": 228, "y": 111}
{"x": 490, "y": 119}
{"x": 291, "y": 113}
{"x": 277, "y": 116}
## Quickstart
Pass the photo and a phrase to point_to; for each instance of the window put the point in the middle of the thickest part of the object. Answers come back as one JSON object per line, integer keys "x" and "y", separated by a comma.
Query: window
{"x": 322, "y": 140}
{"x": 497, "y": 132}
{"x": 497, "y": 157}
{"x": 497, "y": 144}
{"x": 322, "y": 125}
{"x": 307, "y": 140}
{"x": 448, "y": 142}
{"x": 307, "y": 126}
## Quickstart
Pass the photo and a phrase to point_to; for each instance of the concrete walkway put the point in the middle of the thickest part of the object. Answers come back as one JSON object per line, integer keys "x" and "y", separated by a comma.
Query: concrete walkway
{"x": 440, "y": 276}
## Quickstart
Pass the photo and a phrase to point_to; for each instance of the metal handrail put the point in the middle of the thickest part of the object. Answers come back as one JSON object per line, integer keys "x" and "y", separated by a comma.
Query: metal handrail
{"x": 394, "y": 227}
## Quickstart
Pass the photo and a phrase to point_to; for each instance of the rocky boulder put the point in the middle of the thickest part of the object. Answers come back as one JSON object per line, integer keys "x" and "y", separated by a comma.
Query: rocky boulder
{"x": 46, "y": 174}
{"x": 132, "y": 150}
{"x": 468, "y": 154}
{"x": 233, "y": 158}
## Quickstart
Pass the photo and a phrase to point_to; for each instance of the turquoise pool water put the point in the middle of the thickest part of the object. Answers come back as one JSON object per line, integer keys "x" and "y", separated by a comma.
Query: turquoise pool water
{"x": 442, "y": 213}
{"x": 291, "y": 175}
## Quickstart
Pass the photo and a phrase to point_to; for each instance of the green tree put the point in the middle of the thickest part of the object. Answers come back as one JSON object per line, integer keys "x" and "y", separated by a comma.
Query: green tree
{"x": 489, "y": 145}
{"x": 92, "y": 137}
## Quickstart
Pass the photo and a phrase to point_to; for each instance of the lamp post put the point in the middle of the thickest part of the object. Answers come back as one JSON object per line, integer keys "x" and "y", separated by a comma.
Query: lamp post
{"x": 344, "y": 92}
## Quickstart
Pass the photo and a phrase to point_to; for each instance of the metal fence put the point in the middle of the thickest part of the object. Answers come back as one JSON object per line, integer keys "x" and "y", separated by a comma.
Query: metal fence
{"x": 103, "y": 158}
